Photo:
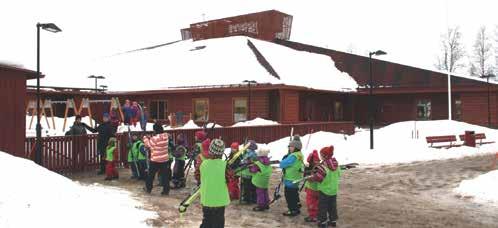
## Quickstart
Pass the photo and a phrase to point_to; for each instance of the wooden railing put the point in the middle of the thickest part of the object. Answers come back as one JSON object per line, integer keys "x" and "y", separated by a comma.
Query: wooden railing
{"x": 70, "y": 154}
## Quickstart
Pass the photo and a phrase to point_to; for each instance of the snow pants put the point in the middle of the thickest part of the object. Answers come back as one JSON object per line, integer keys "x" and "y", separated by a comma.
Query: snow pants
{"x": 179, "y": 173}
{"x": 292, "y": 198}
{"x": 110, "y": 170}
{"x": 248, "y": 190}
{"x": 163, "y": 170}
{"x": 213, "y": 217}
{"x": 312, "y": 202}
{"x": 233, "y": 187}
{"x": 134, "y": 169}
{"x": 142, "y": 166}
{"x": 263, "y": 199}
{"x": 327, "y": 208}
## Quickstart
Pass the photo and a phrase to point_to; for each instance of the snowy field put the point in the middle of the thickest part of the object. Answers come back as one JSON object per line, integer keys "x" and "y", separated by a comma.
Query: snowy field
{"x": 37, "y": 197}
{"x": 393, "y": 144}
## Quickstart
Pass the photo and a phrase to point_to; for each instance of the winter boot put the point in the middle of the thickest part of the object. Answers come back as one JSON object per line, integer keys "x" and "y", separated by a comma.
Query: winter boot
{"x": 108, "y": 179}
{"x": 323, "y": 224}
{"x": 292, "y": 213}
{"x": 309, "y": 219}
{"x": 258, "y": 208}
{"x": 333, "y": 223}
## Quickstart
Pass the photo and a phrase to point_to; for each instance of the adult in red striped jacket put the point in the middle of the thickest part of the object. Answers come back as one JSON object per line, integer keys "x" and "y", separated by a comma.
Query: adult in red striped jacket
{"x": 159, "y": 157}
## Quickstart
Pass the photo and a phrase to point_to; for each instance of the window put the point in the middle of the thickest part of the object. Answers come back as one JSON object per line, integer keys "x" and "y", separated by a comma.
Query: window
{"x": 239, "y": 109}
{"x": 158, "y": 110}
{"x": 458, "y": 109}
{"x": 201, "y": 109}
{"x": 424, "y": 110}
{"x": 338, "y": 111}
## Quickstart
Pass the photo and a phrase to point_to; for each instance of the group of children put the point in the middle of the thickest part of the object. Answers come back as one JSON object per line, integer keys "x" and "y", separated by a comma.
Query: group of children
{"x": 246, "y": 178}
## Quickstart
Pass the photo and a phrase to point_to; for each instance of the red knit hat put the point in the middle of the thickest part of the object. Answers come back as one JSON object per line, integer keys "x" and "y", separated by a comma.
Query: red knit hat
{"x": 235, "y": 145}
{"x": 201, "y": 135}
{"x": 313, "y": 158}
{"x": 327, "y": 152}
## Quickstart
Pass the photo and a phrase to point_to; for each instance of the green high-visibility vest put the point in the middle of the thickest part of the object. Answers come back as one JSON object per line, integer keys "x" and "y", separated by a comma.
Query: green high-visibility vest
{"x": 330, "y": 184}
{"x": 135, "y": 150}
{"x": 261, "y": 179}
{"x": 295, "y": 171}
{"x": 110, "y": 153}
{"x": 312, "y": 185}
{"x": 214, "y": 190}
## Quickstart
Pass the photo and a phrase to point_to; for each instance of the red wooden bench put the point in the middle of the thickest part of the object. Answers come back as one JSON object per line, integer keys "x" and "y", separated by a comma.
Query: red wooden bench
{"x": 479, "y": 138}
{"x": 442, "y": 139}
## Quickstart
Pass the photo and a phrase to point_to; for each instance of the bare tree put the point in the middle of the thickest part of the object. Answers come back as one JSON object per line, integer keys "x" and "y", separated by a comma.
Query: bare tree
{"x": 481, "y": 63}
{"x": 452, "y": 51}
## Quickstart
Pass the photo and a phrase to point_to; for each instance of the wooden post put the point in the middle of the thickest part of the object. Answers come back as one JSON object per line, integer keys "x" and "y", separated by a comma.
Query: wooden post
{"x": 85, "y": 103}
{"x": 69, "y": 104}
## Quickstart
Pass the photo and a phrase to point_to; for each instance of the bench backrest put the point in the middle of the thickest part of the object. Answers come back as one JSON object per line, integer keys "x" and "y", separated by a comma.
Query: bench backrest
{"x": 443, "y": 138}
{"x": 478, "y": 136}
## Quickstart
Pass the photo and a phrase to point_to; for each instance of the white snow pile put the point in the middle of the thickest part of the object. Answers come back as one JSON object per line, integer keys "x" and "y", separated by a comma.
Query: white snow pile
{"x": 37, "y": 197}
{"x": 187, "y": 63}
{"x": 48, "y": 129}
{"x": 191, "y": 125}
{"x": 393, "y": 144}
{"x": 124, "y": 128}
{"x": 255, "y": 122}
{"x": 482, "y": 188}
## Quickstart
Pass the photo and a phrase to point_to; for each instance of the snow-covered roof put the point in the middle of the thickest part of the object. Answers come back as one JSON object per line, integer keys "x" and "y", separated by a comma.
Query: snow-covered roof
{"x": 221, "y": 61}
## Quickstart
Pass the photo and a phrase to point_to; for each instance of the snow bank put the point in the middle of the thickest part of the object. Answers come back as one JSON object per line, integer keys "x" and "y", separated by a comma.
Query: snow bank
{"x": 393, "y": 143}
{"x": 482, "y": 188}
{"x": 48, "y": 129}
{"x": 255, "y": 122}
{"x": 124, "y": 128}
{"x": 37, "y": 197}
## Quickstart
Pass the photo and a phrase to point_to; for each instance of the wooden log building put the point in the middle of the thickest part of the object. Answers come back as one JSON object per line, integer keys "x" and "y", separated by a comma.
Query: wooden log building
{"x": 401, "y": 92}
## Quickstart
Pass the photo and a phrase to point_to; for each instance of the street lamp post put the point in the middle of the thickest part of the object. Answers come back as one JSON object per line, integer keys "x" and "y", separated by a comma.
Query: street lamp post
{"x": 370, "y": 97}
{"x": 104, "y": 88}
{"x": 96, "y": 78}
{"x": 489, "y": 107}
{"x": 38, "y": 146}
{"x": 249, "y": 82}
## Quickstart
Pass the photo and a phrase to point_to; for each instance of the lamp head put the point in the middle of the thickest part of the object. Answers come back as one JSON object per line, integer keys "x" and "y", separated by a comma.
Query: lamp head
{"x": 51, "y": 27}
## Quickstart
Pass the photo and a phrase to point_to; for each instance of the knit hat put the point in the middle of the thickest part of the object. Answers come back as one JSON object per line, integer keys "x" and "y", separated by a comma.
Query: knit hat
{"x": 235, "y": 145}
{"x": 217, "y": 148}
{"x": 252, "y": 145}
{"x": 327, "y": 152}
{"x": 201, "y": 135}
{"x": 263, "y": 152}
{"x": 313, "y": 158}
{"x": 296, "y": 143}
{"x": 180, "y": 139}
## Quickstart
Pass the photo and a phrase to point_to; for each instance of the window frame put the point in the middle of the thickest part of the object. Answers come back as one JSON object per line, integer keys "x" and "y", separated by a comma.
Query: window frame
{"x": 428, "y": 101}
{"x": 149, "y": 108}
{"x": 194, "y": 109}
{"x": 233, "y": 108}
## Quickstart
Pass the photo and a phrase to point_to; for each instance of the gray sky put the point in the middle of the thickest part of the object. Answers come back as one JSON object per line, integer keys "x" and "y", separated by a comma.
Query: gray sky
{"x": 408, "y": 30}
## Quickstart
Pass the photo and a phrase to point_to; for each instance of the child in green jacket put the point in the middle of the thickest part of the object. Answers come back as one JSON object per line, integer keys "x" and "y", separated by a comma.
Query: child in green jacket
{"x": 327, "y": 176}
{"x": 292, "y": 166}
{"x": 214, "y": 190}
{"x": 261, "y": 170}
{"x": 111, "y": 172}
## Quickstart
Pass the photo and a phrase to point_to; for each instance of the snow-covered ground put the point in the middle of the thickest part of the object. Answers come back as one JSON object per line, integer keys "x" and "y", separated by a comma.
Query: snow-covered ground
{"x": 255, "y": 122}
{"x": 33, "y": 196}
{"x": 48, "y": 130}
{"x": 393, "y": 143}
{"x": 482, "y": 188}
